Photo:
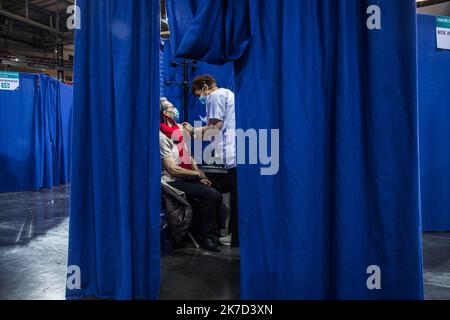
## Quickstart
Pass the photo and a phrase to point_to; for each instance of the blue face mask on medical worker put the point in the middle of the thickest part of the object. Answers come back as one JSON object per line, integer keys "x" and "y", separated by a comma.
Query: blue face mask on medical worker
{"x": 203, "y": 99}
{"x": 176, "y": 114}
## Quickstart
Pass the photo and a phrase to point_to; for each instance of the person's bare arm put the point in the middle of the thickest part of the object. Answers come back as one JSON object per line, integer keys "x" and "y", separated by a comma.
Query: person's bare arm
{"x": 178, "y": 172}
{"x": 194, "y": 164}
{"x": 204, "y": 180}
{"x": 216, "y": 124}
{"x": 213, "y": 124}
{"x": 198, "y": 133}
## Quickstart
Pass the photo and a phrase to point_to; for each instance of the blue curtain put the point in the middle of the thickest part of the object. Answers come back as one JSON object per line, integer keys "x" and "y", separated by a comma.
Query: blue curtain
{"x": 174, "y": 74}
{"x": 345, "y": 100}
{"x": 434, "y": 72}
{"x": 35, "y": 134}
{"x": 66, "y": 98}
{"x": 114, "y": 218}
{"x": 49, "y": 140}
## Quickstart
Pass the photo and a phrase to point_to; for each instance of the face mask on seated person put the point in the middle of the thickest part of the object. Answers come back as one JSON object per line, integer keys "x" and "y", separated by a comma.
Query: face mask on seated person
{"x": 176, "y": 115}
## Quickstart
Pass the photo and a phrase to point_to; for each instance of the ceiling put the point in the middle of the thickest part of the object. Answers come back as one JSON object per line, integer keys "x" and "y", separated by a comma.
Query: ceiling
{"x": 424, "y": 3}
{"x": 38, "y": 23}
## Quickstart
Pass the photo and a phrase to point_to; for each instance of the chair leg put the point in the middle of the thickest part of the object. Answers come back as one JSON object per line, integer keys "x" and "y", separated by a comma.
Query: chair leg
{"x": 193, "y": 240}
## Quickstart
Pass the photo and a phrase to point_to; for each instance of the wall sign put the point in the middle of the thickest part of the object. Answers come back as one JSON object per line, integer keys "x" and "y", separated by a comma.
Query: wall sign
{"x": 443, "y": 32}
{"x": 9, "y": 81}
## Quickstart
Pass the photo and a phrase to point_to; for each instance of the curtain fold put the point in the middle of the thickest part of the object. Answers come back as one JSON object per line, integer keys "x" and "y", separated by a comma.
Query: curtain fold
{"x": 213, "y": 31}
{"x": 344, "y": 98}
{"x": 50, "y": 152}
{"x": 115, "y": 201}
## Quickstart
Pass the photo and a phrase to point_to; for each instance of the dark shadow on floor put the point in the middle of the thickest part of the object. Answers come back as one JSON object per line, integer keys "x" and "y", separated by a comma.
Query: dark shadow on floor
{"x": 194, "y": 274}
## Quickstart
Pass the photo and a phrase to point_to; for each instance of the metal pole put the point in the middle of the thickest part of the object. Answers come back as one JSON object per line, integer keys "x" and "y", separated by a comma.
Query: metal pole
{"x": 57, "y": 14}
{"x": 60, "y": 61}
{"x": 186, "y": 91}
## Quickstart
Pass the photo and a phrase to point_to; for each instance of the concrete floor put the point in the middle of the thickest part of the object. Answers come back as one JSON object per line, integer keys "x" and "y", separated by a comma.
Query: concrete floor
{"x": 33, "y": 250}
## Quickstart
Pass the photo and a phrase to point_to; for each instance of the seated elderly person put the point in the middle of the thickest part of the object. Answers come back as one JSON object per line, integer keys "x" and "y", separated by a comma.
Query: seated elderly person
{"x": 180, "y": 171}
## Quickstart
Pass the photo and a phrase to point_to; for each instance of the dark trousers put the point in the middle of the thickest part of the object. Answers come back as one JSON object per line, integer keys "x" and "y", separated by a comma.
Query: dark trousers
{"x": 227, "y": 183}
{"x": 208, "y": 208}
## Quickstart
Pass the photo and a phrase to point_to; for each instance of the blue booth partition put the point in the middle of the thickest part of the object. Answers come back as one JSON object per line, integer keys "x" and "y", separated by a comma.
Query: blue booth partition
{"x": 35, "y": 134}
{"x": 434, "y": 106}
{"x": 344, "y": 99}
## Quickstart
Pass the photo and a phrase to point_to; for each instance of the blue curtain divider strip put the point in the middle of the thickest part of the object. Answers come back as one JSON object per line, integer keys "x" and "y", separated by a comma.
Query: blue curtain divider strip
{"x": 115, "y": 194}
{"x": 35, "y": 134}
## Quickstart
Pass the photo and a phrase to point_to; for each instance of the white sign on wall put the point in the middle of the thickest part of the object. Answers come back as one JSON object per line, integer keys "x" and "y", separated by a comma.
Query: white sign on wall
{"x": 9, "y": 81}
{"x": 443, "y": 32}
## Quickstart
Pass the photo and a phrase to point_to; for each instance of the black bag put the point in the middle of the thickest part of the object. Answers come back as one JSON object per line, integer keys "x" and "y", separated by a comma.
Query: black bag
{"x": 178, "y": 213}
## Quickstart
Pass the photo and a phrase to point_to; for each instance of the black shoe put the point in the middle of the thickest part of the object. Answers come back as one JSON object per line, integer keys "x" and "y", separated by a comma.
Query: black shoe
{"x": 210, "y": 245}
{"x": 216, "y": 241}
